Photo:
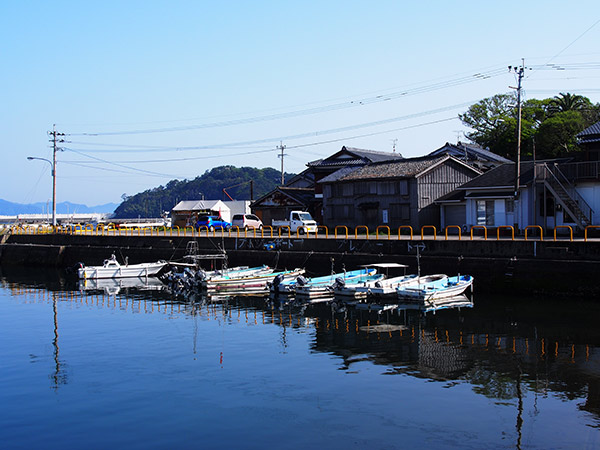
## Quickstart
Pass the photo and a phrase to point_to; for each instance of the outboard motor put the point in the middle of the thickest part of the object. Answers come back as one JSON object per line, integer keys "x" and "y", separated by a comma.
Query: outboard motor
{"x": 301, "y": 281}
{"x": 339, "y": 283}
{"x": 277, "y": 281}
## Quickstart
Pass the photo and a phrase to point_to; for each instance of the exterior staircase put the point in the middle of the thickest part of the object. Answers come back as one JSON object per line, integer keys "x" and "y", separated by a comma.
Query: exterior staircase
{"x": 566, "y": 195}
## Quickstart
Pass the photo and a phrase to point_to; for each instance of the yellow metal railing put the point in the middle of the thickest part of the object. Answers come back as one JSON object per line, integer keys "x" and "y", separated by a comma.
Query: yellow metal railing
{"x": 534, "y": 227}
{"x": 360, "y": 227}
{"x": 453, "y": 227}
{"x": 505, "y": 227}
{"x": 385, "y": 228}
{"x": 427, "y": 227}
{"x": 474, "y": 227}
{"x": 402, "y": 227}
{"x": 591, "y": 227}
{"x": 341, "y": 227}
{"x": 564, "y": 227}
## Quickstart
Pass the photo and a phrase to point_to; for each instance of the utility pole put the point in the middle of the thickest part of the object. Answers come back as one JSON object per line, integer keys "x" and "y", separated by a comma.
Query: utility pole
{"x": 520, "y": 71}
{"x": 55, "y": 137}
{"x": 282, "y": 148}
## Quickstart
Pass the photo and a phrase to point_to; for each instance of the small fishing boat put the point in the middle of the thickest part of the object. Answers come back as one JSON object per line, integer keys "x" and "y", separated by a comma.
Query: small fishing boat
{"x": 111, "y": 268}
{"x": 255, "y": 283}
{"x": 378, "y": 287}
{"x": 356, "y": 288}
{"x": 434, "y": 287}
{"x": 323, "y": 286}
{"x": 233, "y": 273}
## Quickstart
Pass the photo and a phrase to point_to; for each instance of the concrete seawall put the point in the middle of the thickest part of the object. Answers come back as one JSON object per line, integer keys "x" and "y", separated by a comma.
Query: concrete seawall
{"x": 523, "y": 267}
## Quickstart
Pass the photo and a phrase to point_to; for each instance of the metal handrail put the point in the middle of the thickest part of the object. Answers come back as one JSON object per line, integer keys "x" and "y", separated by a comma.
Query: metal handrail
{"x": 570, "y": 189}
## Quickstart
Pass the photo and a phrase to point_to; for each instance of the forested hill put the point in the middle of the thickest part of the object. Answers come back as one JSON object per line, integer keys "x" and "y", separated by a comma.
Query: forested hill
{"x": 154, "y": 202}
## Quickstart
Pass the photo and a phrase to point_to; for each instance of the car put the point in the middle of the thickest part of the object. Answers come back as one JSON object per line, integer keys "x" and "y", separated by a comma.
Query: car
{"x": 212, "y": 222}
{"x": 246, "y": 221}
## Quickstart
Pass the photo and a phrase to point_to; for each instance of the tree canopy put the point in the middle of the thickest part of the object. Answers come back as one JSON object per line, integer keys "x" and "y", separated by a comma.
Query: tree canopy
{"x": 210, "y": 185}
{"x": 549, "y": 126}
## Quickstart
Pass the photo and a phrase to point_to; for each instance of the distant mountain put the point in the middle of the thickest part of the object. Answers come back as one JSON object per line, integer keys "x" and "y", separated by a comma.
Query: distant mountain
{"x": 210, "y": 185}
{"x": 12, "y": 209}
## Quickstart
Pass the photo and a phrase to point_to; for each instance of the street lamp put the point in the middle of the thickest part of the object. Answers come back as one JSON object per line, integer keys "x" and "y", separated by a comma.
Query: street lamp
{"x": 52, "y": 166}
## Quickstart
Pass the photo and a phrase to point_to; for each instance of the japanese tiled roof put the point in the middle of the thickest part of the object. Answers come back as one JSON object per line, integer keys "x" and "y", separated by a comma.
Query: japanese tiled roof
{"x": 303, "y": 195}
{"x": 357, "y": 157}
{"x": 474, "y": 152}
{"x": 590, "y": 134}
{"x": 405, "y": 168}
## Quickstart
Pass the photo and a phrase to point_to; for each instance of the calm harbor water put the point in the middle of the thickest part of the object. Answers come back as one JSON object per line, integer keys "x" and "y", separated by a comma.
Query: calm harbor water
{"x": 139, "y": 368}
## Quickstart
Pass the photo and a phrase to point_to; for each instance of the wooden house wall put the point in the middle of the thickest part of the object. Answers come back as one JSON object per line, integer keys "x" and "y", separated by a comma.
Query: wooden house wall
{"x": 436, "y": 183}
{"x": 408, "y": 201}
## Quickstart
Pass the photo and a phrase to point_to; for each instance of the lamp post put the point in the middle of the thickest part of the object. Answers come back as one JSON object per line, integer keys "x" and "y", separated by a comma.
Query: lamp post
{"x": 53, "y": 167}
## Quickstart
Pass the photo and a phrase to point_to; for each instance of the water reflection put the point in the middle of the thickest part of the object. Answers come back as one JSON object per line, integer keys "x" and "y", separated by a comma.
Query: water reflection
{"x": 503, "y": 347}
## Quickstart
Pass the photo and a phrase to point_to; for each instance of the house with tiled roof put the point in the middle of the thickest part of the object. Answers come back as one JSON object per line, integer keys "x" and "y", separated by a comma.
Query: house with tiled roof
{"x": 589, "y": 141}
{"x": 550, "y": 194}
{"x": 304, "y": 192}
{"x": 472, "y": 154}
{"x": 393, "y": 192}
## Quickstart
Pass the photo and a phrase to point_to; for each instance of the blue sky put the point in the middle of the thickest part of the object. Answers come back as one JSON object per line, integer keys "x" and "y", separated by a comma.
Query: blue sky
{"x": 149, "y": 91}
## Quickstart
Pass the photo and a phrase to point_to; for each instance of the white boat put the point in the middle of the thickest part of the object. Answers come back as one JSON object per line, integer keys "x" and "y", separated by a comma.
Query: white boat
{"x": 323, "y": 286}
{"x": 256, "y": 283}
{"x": 378, "y": 288}
{"x": 423, "y": 289}
{"x": 113, "y": 269}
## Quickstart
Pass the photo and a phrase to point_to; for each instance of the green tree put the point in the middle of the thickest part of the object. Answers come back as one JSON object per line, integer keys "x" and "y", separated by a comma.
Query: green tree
{"x": 551, "y": 123}
{"x": 556, "y": 135}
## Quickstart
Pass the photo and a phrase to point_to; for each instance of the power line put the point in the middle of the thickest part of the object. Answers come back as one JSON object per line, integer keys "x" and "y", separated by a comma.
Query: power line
{"x": 332, "y": 107}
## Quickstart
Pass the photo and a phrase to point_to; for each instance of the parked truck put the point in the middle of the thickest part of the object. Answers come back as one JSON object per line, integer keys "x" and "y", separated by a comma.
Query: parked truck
{"x": 298, "y": 220}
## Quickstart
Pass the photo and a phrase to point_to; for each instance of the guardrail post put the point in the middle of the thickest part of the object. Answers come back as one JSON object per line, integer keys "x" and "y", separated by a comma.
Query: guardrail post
{"x": 482, "y": 227}
{"x": 384, "y": 227}
{"x": 359, "y": 227}
{"x": 344, "y": 227}
{"x": 289, "y": 230}
{"x": 565, "y": 227}
{"x": 586, "y": 230}
{"x": 457, "y": 227}
{"x": 505, "y": 227}
{"x": 400, "y": 231}
{"x": 428, "y": 226}
{"x": 537, "y": 227}
{"x": 326, "y": 231}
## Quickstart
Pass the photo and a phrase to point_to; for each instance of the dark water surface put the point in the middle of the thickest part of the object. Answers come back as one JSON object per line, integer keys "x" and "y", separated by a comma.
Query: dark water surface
{"x": 130, "y": 368}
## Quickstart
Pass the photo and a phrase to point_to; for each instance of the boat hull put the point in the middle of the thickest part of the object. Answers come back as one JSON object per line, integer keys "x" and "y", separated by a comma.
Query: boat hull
{"x": 129, "y": 271}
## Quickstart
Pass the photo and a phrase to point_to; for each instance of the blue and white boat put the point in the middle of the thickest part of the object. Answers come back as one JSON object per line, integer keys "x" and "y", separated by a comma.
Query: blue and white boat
{"x": 434, "y": 287}
{"x": 323, "y": 286}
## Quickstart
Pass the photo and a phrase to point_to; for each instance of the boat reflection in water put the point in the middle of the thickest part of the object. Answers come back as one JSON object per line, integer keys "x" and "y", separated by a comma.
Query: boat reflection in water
{"x": 114, "y": 286}
{"x": 522, "y": 375}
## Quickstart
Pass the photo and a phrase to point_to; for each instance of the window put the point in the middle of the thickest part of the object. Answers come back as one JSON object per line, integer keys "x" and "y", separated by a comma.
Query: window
{"x": 509, "y": 205}
{"x": 403, "y": 187}
{"x": 347, "y": 190}
{"x": 485, "y": 212}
